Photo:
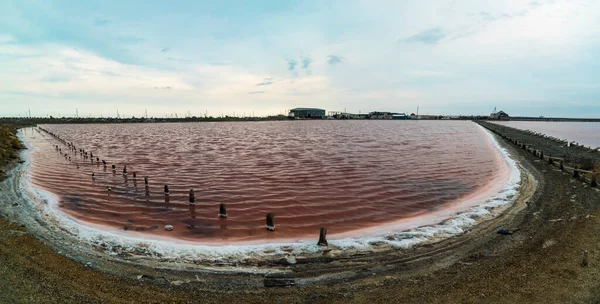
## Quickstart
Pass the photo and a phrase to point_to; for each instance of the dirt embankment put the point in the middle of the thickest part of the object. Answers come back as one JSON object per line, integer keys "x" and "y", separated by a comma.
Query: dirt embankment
{"x": 9, "y": 147}
{"x": 542, "y": 261}
{"x": 574, "y": 155}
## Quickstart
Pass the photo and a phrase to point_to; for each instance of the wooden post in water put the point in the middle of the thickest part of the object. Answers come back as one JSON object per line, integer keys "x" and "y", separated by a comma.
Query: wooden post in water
{"x": 575, "y": 173}
{"x": 146, "y": 181}
{"x": 166, "y": 190}
{"x": 593, "y": 181}
{"x": 104, "y": 163}
{"x": 125, "y": 171}
{"x": 93, "y": 176}
{"x": 541, "y": 155}
{"x": 192, "y": 198}
{"x": 561, "y": 167}
{"x": 322, "y": 237}
{"x": 114, "y": 168}
{"x": 223, "y": 211}
{"x": 270, "y": 222}
{"x": 550, "y": 161}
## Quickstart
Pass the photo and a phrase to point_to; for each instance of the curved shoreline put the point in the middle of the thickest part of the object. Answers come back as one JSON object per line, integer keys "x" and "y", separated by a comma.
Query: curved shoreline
{"x": 540, "y": 263}
{"x": 432, "y": 227}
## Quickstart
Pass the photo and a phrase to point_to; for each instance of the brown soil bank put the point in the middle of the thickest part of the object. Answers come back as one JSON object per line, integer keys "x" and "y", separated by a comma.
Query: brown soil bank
{"x": 542, "y": 261}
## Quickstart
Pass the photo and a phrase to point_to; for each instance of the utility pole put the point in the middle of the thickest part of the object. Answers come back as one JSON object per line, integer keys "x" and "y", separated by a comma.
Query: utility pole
{"x": 30, "y": 113}
{"x": 76, "y": 112}
{"x": 146, "y": 111}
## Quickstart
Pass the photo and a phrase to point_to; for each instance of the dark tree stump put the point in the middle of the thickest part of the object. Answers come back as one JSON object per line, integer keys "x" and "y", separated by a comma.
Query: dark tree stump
{"x": 192, "y": 197}
{"x": 270, "y": 222}
{"x": 223, "y": 211}
{"x": 322, "y": 237}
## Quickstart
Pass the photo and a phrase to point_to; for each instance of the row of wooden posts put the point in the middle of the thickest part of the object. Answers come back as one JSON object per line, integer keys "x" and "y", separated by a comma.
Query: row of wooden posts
{"x": 270, "y": 217}
{"x": 558, "y": 140}
{"x": 577, "y": 173}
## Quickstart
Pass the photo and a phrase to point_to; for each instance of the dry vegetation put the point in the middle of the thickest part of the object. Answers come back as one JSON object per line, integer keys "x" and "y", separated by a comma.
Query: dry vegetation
{"x": 9, "y": 147}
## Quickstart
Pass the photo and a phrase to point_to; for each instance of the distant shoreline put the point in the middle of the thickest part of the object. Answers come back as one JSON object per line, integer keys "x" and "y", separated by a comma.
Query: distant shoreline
{"x": 553, "y": 243}
{"x": 19, "y": 121}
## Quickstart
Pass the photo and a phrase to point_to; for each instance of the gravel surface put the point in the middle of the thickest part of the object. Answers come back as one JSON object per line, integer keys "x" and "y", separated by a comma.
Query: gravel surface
{"x": 555, "y": 223}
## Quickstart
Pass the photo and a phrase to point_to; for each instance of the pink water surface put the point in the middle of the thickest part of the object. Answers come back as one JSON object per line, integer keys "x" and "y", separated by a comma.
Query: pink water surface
{"x": 343, "y": 175}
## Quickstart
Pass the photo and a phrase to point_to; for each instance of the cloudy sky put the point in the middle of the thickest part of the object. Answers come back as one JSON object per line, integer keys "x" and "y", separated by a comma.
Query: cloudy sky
{"x": 220, "y": 57}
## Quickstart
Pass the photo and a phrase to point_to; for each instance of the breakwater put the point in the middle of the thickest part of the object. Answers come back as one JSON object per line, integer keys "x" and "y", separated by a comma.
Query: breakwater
{"x": 581, "y": 162}
{"x": 563, "y": 119}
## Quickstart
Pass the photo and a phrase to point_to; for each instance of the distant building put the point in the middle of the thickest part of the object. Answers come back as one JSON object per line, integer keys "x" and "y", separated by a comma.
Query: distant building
{"x": 307, "y": 113}
{"x": 381, "y": 115}
{"x": 400, "y": 116}
{"x": 500, "y": 115}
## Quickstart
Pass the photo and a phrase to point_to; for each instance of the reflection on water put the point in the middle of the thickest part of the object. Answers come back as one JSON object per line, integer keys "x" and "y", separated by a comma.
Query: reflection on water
{"x": 343, "y": 175}
{"x": 584, "y": 133}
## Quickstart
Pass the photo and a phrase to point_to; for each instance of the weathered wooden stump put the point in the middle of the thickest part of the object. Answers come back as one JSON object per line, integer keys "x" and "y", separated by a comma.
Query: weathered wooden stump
{"x": 322, "y": 237}
{"x": 575, "y": 173}
{"x": 223, "y": 211}
{"x": 192, "y": 198}
{"x": 166, "y": 190}
{"x": 93, "y": 176}
{"x": 125, "y": 171}
{"x": 585, "y": 261}
{"x": 114, "y": 168}
{"x": 134, "y": 175}
{"x": 146, "y": 181}
{"x": 561, "y": 167}
{"x": 541, "y": 154}
{"x": 279, "y": 281}
{"x": 270, "y": 222}
{"x": 593, "y": 182}
{"x": 550, "y": 161}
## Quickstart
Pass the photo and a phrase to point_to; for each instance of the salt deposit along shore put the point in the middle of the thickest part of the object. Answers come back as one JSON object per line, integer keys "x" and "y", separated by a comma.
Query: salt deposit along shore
{"x": 545, "y": 250}
{"x": 456, "y": 218}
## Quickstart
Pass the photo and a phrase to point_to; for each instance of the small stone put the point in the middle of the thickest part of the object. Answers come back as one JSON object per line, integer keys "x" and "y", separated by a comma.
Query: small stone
{"x": 176, "y": 283}
{"x": 139, "y": 277}
{"x": 168, "y": 227}
{"x": 585, "y": 260}
{"x": 291, "y": 260}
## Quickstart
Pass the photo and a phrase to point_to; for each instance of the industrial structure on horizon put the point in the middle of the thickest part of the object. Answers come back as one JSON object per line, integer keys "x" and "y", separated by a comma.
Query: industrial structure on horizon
{"x": 315, "y": 113}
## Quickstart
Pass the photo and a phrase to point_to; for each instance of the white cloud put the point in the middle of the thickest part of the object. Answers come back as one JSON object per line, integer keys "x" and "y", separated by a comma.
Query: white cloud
{"x": 485, "y": 52}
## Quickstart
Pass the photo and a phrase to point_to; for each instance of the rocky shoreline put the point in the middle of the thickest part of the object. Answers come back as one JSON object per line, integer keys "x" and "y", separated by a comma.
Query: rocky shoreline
{"x": 543, "y": 260}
